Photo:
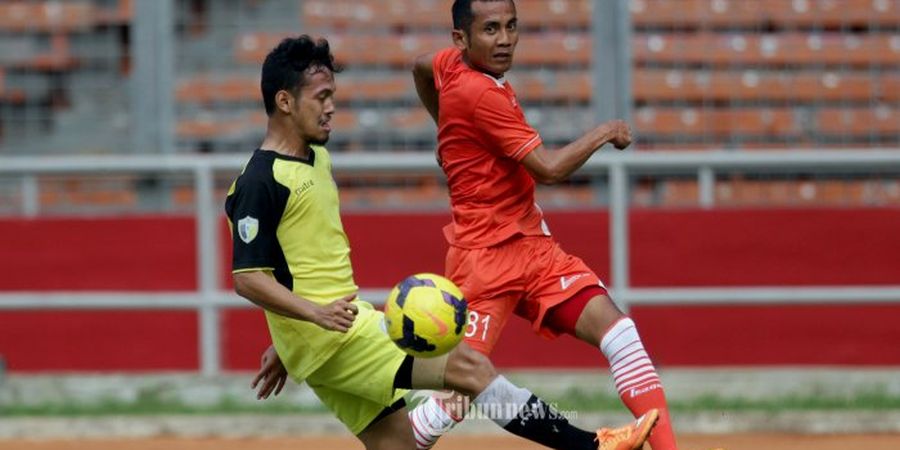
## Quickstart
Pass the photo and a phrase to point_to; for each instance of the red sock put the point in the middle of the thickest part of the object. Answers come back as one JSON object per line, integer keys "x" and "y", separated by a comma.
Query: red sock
{"x": 662, "y": 437}
{"x": 636, "y": 380}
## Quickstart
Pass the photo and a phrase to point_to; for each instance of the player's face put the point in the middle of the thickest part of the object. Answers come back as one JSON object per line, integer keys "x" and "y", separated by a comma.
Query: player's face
{"x": 315, "y": 106}
{"x": 491, "y": 41}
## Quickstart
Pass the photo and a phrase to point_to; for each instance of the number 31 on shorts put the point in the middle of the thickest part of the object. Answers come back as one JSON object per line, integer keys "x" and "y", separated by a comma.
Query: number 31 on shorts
{"x": 478, "y": 325}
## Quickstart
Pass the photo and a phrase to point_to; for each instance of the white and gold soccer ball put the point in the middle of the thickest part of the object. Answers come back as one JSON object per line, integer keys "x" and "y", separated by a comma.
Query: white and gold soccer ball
{"x": 425, "y": 315}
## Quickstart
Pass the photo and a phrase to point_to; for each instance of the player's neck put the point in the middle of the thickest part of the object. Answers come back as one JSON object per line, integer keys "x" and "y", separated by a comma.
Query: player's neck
{"x": 285, "y": 141}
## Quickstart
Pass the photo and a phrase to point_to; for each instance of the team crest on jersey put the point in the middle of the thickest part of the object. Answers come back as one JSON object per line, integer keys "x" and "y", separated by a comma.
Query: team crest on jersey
{"x": 248, "y": 227}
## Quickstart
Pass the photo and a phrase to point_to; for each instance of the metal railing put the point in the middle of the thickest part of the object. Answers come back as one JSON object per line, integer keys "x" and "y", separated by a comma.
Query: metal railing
{"x": 618, "y": 167}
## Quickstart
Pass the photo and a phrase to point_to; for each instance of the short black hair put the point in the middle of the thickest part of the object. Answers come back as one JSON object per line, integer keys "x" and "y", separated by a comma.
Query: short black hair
{"x": 286, "y": 65}
{"x": 463, "y": 15}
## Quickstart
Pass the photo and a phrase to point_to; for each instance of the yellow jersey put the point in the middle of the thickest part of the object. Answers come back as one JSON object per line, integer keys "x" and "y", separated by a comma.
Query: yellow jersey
{"x": 284, "y": 215}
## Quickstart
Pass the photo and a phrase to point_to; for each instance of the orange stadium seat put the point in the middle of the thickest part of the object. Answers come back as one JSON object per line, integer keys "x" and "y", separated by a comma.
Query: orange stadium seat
{"x": 114, "y": 192}
{"x": 350, "y": 49}
{"x": 554, "y": 48}
{"x": 357, "y": 14}
{"x": 771, "y": 122}
{"x": 889, "y": 87}
{"x": 680, "y": 193}
{"x": 752, "y": 85}
{"x": 743, "y": 192}
{"x": 693, "y": 13}
{"x": 362, "y": 14}
{"x": 214, "y": 127}
{"x": 119, "y": 15}
{"x": 777, "y": 49}
{"x": 554, "y": 13}
{"x": 205, "y": 88}
{"x": 409, "y": 119}
{"x": 747, "y": 13}
{"x": 551, "y": 48}
{"x": 872, "y": 120}
{"x": 44, "y": 16}
{"x": 552, "y": 86}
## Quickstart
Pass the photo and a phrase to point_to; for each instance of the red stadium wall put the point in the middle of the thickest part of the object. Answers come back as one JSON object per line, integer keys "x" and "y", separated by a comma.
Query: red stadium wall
{"x": 669, "y": 248}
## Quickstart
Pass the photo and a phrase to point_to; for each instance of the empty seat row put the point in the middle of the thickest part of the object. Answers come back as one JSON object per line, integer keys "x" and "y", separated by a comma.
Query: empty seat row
{"x": 399, "y": 50}
{"x": 778, "y": 192}
{"x": 358, "y": 14}
{"x": 58, "y": 194}
{"x": 755, "y": 13}
{"x": 767, "y": 49}
{"x": 649, "y": 85}
{"x": 761, "y": 85}
{"x": 60, "y": 16}
{"x": 574, "y": 48}
{"x": 372, "y": 124}
{"x": 881, "y": 120}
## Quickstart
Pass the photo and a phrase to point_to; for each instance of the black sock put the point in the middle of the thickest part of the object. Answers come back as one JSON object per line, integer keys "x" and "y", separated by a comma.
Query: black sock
{"x": 538, "y": 422}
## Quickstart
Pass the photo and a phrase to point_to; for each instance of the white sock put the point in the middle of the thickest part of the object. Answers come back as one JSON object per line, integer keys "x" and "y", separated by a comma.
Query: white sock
{"x": 429, "y": 422}
{"x": 628, "y": 361}
{"x": 502, "y": 401}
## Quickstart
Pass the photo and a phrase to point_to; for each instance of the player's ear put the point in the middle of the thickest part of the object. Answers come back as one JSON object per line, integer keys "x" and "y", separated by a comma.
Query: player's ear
{"x": 460, "y": 39}
{"x": 284, "y": 101}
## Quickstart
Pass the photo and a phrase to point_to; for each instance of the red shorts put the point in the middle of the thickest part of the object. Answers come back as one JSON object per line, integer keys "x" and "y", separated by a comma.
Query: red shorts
{"x": 524, "y": 276}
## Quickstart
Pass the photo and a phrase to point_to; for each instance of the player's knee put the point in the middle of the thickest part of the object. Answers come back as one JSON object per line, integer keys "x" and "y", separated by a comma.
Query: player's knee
{"x": 598, "y": 315}
{"x": 469, "y": 371}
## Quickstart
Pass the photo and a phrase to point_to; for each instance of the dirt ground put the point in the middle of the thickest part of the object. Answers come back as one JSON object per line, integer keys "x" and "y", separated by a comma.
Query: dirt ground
{"x": 686, "y": 442}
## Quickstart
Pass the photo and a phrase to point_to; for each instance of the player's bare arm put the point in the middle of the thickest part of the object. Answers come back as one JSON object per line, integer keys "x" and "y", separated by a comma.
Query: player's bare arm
{"x": 263, "y": 290}
{"x": 423, "y": 75}
{"x": 551, "y": 167}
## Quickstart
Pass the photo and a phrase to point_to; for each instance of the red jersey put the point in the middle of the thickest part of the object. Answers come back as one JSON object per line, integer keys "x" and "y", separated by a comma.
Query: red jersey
{"x": 482, "y": 137}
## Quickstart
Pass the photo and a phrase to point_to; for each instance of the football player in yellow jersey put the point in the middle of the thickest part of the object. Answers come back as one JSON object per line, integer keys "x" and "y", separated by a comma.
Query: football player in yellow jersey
{"x": 292, "y": 258}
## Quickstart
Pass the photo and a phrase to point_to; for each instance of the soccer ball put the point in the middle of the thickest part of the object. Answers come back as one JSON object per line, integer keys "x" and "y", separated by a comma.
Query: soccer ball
{"x": 425, "y": 315}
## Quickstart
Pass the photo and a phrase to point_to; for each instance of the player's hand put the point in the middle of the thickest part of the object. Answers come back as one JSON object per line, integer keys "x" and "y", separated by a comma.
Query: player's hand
{"x": 271, "y": 373}
{"x": 337, "y": 315}
{"x": 621, "y": 134}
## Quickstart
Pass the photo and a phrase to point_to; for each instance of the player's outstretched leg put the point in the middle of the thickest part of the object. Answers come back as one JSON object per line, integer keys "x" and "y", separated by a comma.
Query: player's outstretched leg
{"x": 601, "y": 324}
{"x": 515, "y": 409}
{"x": 436, "y": 416}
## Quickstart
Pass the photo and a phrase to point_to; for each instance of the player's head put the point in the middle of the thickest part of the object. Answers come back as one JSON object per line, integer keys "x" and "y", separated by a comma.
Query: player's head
{"x": 298, "y": 85}
{"x": 487, "y": 33}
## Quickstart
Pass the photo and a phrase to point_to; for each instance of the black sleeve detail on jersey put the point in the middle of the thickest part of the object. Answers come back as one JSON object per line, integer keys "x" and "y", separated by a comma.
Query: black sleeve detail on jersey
{"x": 255, "y": 209}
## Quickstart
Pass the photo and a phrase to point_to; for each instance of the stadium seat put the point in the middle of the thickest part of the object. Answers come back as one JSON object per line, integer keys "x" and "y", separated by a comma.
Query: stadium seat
{"x": 679, "y": 193}
{"x": 555, "y": 13}
{"x": 362, "y": 14}
{"x": 769, "y": 50}
{"x": 558, "y": 48}
{"x": 761, "y": 13}
{"x": 212, "y": 127}
{"x": 754, "y": 85}
{"x": 46, "y": 16}
{"x": 114, "y": 192}
{"x": 352, "y": 49}
{"x": 880, "y": 120}
{"x": 889, "y": 87}
{"x": 760, "y": 121}
{"x": 206, "y": 88}
{"x": 121, "y": 14}
{"x": 548, "y": 86}
{"x": 368, "y": 14}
